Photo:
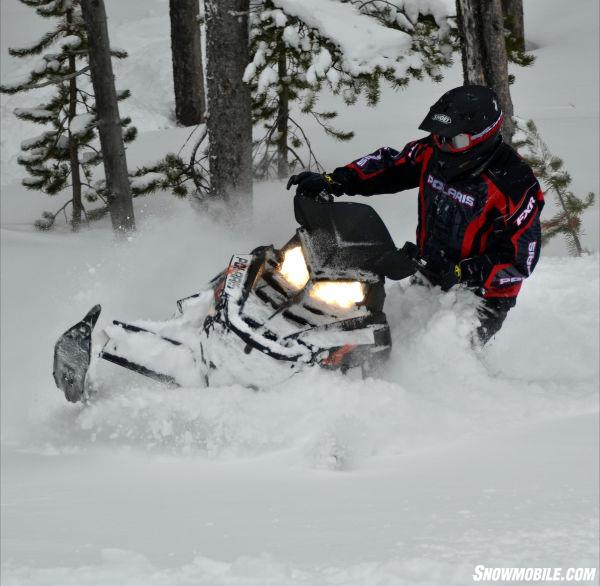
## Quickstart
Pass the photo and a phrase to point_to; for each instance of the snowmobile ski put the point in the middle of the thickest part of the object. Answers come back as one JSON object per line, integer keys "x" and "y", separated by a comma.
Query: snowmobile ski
{"x": 72, "y": 356}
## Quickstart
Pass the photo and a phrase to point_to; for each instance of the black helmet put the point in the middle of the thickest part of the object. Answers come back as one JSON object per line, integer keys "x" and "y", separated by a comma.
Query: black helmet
{"x": 465, "y": 127}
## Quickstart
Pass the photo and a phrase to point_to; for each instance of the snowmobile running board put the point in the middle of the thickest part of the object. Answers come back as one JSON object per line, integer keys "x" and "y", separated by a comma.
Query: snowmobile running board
{"x": 72, "y": 356}
{"x": 120, "y": 361}
{"x": 143, "y": 370}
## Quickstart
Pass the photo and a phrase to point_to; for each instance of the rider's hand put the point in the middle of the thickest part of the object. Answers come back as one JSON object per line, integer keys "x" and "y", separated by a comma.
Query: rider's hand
{"x": 395, "y": 265}
{"x": 411, "y": 250}
{"x": 311, "y": 184}
{"x": 451, "y": 275}
{"x": 474, "y": 270}
{"x": 469, "y": 271}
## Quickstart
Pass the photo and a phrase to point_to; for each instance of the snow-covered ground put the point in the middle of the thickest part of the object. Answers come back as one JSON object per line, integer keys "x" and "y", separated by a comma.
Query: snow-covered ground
{"x": 450, "y": 459}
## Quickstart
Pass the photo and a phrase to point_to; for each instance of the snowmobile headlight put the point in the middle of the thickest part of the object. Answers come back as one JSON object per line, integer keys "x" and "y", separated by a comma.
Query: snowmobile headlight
{"x": 293, "y": 268}
{"x": 341, "y": 293}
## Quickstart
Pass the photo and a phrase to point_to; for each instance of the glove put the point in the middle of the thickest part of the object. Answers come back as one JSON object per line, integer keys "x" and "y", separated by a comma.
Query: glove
{"x": 451, "y": 275}
{"x": 474, "y": 270}
{"x": 469, "y": 271}
{"x": 411, "y": 250}
{"x": 395, "y": 265}
{"x": 312, "y": 184}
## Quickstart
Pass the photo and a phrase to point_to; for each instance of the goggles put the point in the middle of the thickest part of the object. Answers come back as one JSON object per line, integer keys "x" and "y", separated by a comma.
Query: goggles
{"x": 463, "y": 141}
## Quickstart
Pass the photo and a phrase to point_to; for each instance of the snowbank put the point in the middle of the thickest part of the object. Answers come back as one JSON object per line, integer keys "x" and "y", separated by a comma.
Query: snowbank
{"x": 128, "y": 568}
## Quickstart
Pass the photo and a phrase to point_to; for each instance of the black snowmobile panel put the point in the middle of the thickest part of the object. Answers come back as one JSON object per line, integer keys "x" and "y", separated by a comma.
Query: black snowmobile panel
{"x": 344, "y": 234}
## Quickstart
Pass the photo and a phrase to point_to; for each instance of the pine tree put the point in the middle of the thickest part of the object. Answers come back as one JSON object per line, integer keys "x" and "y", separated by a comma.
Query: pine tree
{"x": 490, "y": 36}
{"x": 64, "y": 155}
{"x": 549, "y": 168}
{"x": 515, "y": 24}
{"x": 295, "y": 57}
{"x": 186, "y": 53}
{"x": 229, "y": 122}
{"x": 484, "y": 53}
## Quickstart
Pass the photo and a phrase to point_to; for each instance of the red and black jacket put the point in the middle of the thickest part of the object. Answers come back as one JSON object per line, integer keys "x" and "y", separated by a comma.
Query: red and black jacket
{"x": 493, "y": 215}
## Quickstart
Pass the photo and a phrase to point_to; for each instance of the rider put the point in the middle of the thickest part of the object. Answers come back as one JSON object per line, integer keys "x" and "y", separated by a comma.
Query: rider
{"x": 479, "y": 202}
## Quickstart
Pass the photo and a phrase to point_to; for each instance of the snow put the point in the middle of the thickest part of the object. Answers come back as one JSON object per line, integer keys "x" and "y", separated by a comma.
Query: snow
{"x": 40, "y": 67}
{"x": 365, "y": 42}
{"x": 38, "y": 113}
{"x": 439, "y": 9}
{"x": 448, "y": 459}
{"x": 31, "y": 181}
{"x": 86, "y": 157}
{"x": 290, "y": 37}
{"x": 69, "y": 42}
{"x": 146, "y": 180}
{"x": 319, "y": 67}
{"x": 35, "y": 140}
{"x": 32, "y": 155}
{"x": 82, "y": 123}
{"x": 153, "y": 352}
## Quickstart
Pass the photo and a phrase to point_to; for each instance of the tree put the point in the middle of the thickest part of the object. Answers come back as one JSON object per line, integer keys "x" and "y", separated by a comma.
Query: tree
{"x": 299, "y": 49}
{"x": 173, "y": 173}
{"x": 484, "y": 55}
{"x": 549, "y": 168}
{"x": 64, "y": 156}
{"x": 229, "y": 120}
{"x": 186, "y": 52}
{"x": 109, "y": 122}
{"x": 514, "y": 21}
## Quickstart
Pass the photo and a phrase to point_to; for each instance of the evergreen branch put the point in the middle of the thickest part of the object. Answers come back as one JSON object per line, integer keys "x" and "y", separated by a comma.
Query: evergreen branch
{"x": 48, "y": 218}
{"x": 329, "y": 130}
{"x": 34, "y": 86}
{"x": 37, "y": 48}
{"x": 549, "y": 168}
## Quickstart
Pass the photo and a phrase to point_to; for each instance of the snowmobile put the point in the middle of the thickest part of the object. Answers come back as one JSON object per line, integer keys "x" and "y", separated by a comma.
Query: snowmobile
{"x": 317, "y": 301}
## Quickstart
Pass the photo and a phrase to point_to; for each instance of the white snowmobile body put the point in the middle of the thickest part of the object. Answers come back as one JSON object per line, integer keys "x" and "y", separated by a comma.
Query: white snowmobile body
{"x": 267, "y": 316}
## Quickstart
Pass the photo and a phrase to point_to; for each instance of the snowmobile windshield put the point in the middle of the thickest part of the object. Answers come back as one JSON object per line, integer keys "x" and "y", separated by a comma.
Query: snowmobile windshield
{"x": 345, "y": 235}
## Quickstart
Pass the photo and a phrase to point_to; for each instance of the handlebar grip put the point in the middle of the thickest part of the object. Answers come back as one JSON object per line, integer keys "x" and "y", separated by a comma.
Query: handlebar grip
{"x": 324, "y": 197}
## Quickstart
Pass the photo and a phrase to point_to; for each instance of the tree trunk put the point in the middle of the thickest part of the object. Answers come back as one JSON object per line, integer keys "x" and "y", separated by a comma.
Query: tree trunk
{"x": 109, "y": 122}
{"x": 483, "y": 49}
{"x": 471, "y": 43}
{"x": 497, "y": 60}
{"x": 76, "y": 204}
{"x": 186, "y": 53}
{"x": 283, "y": 169}
{"x": 513, "y": 17}
{"x": 229, "y": 120}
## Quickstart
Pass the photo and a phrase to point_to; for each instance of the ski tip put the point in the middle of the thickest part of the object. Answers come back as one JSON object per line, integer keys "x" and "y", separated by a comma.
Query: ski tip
{"x": 72, "y": 356}
{"x": 91, "y": 317}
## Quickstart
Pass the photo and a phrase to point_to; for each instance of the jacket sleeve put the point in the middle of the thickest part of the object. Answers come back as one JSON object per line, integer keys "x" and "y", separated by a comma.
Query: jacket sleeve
{"x": 514, "y": 248}
{"x": 384, "y": 171}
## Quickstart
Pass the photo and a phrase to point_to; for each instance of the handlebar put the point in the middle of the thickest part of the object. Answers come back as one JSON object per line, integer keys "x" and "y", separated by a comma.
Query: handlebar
{"x": 324, "y": 197}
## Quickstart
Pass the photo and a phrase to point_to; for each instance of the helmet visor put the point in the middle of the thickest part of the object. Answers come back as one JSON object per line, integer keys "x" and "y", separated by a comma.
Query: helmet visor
{"x": 455, "y": 144}
{"x": 464, "y": 141}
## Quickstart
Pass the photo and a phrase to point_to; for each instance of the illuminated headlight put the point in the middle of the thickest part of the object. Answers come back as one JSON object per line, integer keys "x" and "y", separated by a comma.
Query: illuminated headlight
{"x": 293, "y": 268}
{"x": 341, "y": 293}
